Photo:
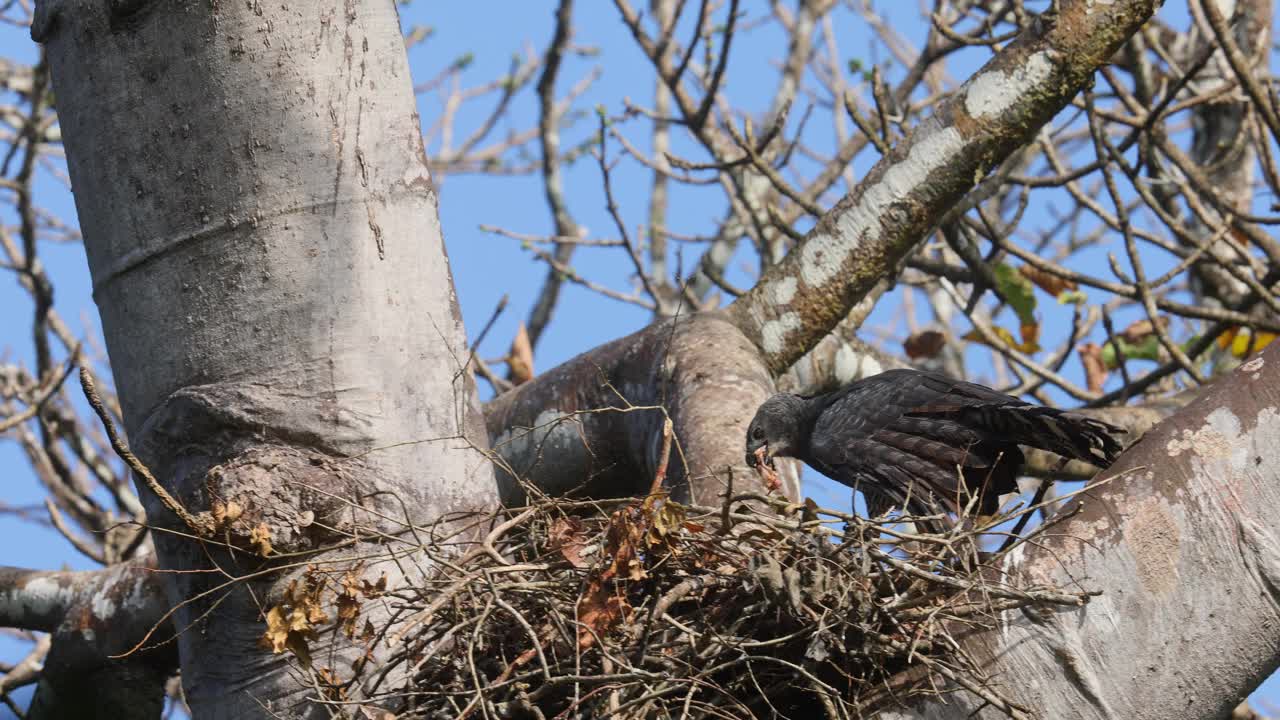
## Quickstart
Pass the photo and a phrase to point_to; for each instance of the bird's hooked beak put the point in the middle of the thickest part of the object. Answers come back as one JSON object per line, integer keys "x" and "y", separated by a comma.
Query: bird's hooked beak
{"x": 761, "y": 457}
{"x": 762, "y": 460}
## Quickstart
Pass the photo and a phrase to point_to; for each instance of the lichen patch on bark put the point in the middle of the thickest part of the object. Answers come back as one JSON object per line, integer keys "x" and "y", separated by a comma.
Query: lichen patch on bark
{"x": 1154, "y": 540}
{"x": 1216, "y": 439}
{"x": 991, "y": 93}
{"x": 823, "y": 256}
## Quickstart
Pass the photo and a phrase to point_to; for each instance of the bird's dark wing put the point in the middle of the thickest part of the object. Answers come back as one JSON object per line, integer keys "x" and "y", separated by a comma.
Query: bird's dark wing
{"x": 908, "y": 433}
{"x": 866, "y": 438}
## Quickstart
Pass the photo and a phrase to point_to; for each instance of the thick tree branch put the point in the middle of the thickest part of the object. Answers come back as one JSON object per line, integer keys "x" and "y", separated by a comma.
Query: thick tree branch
{"x": 1180, "y": 539}
{"x": 593, "y": 425}
{"x": 97, "y": 664}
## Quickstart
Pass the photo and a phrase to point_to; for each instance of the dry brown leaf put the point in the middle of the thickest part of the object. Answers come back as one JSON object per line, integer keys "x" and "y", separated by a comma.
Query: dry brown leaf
{"x": 316, "y": 615}
{"x": 348, "y": 601}
{"x": 924, "y": 344}
{"x": 520, "y": 360}
{"x": 566, "y": 536}
{"x": 1095, "y": 368}
{"x": 622, "y": 543}
{"x": 331, "y": 685}
{"x": 226, "y": 513}
{"x": 260, "y": 539}
{"x": 1047, "y": 281}
{"x": 668, "y": 518}
{"x": 1140, "y": 330}
{"x": 374, "y": 590}
{"x": 601, "y": 607}
{"x": 599, "y": 610}
{"x": 288, "y": 629}
{"x": 1028, "y": 344}
{"x": 277, "y": 635}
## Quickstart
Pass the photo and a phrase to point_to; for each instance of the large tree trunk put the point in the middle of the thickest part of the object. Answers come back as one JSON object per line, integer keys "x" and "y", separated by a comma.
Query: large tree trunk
{"x": 266, "y": 255}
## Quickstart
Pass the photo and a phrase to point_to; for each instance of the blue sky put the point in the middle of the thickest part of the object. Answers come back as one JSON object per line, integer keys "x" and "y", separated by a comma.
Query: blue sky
{"x": 486, "y": 266}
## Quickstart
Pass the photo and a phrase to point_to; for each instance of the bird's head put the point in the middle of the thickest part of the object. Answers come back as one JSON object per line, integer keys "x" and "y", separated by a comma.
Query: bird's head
{"x": 775, "y": 430}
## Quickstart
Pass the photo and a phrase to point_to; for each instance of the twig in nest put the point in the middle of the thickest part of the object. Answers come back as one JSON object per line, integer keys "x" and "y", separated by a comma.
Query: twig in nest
{"x": 657, "y": 614}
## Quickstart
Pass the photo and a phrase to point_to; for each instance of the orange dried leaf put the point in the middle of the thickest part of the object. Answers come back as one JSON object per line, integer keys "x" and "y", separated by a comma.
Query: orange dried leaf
{"x": 348, "y": 601}
{"x": 567, "y": 536}
{"x": 622, "y": 542}
{"x": 520, "y": 361}
{"x": 1095, "y": 368}
{"x": 1029, "y": 331}
{"x": 1141, "y": 330}
{"x": 599, "y": 610}
{"x": 225, "y": 513}
{"x": 668, "y": 518}
{"x": 331, "y": 685}
{"x": 1047, "y": 281}
{"x": 350, "y": 585}
{"x": 277, "y": 634}
{"x": 316, "y": 615}
{"x": 288, "y": 629}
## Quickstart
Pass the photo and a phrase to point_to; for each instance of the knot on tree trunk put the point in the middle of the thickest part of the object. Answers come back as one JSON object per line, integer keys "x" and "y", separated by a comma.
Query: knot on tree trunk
{"x": 249, "y": 464}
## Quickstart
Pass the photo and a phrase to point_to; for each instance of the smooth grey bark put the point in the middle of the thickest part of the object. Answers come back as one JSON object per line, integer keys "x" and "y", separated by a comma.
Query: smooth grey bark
{"x": 263, "y": 238}
{"x": 1183, "y": 545}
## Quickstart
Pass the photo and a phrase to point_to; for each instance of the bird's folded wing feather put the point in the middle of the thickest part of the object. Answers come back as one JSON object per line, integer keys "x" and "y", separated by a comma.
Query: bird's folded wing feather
{"x": 866, "y": 437}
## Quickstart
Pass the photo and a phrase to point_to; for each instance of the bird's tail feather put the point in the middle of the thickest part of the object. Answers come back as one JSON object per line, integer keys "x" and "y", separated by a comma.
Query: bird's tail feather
{"x": 1068, "y": 434}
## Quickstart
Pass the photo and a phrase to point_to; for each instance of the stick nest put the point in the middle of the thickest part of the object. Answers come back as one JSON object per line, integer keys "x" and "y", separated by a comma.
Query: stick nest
{"x": 645, "y": 608}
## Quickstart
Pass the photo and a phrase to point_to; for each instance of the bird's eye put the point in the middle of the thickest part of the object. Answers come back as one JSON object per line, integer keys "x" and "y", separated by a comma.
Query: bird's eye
{"x": 758, "y": 433}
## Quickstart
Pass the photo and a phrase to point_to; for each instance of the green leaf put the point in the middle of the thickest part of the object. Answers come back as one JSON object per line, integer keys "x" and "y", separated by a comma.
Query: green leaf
{"x": 1148, "y": 349}
{"x": 1017, "y": 291}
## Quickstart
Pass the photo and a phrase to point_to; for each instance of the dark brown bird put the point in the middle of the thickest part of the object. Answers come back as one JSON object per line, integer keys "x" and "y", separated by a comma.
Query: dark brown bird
{"x": 921, "y": 441}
